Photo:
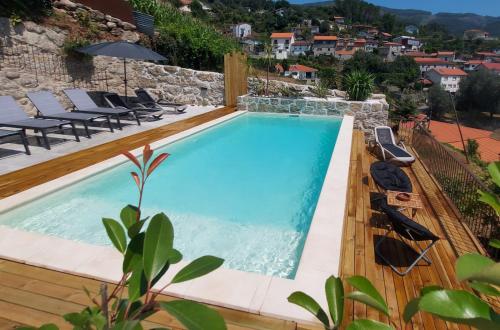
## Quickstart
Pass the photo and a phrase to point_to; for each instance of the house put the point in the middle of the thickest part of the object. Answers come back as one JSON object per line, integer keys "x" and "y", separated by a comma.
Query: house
{"x": 301, "y": 47}
{"x": 185, "y": 6}
{"x": 408, "y": 42}
{"x": 282, "y": 43}
{"x": 301, "y": 72}
{"x": 385, "y": 35}
{"x": 251, "y": 45}
{"x": 449, "y": 79}
{"x": 416, "y": 54}
{"x": 428, "y": 63}
{"x": 345, "y": 54}
{"x": 472, "y": 65}
{"x": 314, "y": 29}
{"x": 492, "y": 67}
{"x": 242, "y": 30}
{"x": 487, "y": 56}
{"x": 411, "y": 29}
{"x": 446, "y": 56}
{"x": 475, "y": 34}
{"x": 340, "y": 23}
{"x": 280, "y": 12}
{"x": 390, "y": 50}
{"x": 359, "y": 44}
{"x": 324, "y": 45}
{"x": 370, "y": 45}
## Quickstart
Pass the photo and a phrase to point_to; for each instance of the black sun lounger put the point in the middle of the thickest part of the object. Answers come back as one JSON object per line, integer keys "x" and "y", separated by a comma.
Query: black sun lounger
{"x": 11, "y": 115}
{"x": 115, "y": 101}
{"x": 49, "y": 107}
{"x": 406, "y": 229}
{"x": 390, "y": 177}
{"x": 146, "y": 99}
{"x": 387, "y": 143}
{"x": 83, "y": 103}
{"x": 6, "y": 133}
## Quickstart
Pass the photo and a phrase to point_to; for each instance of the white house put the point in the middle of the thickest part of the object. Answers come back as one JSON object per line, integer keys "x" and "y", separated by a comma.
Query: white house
{"x": 492, "y": 67}
{"x": 345, "y": 54}
{"x": 282, "y": 44}
{"x": 472, "y": 65}
{"x": 301, "y": 72}
{"x": 429, "y": 63}
{"x": 449, "y": 79}
{"x": 390, "y": 50}
{"x": 242, "y": 30}
{"x": 301, "y": 47}
{"x": 446, "y": 56}
{"x": 324, "y": 45}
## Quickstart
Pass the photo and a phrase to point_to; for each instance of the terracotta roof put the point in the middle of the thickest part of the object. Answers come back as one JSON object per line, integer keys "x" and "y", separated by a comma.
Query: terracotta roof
{"x": 445, "y": 53}
{"x": 282, "y": 35}
{"x": 325, "y": 38}
{"x": 301, "y": 43}
{"x": 417, "y": 54}
{"x": 345, "y": 52}
{"x": 338, "y": 17}
{"x": 427, "y": 60}
{"x": 392, "y": 44}
{"x": 487, "y": 54}
{"x": 360, "y": 41}
{"x": 489, "y": 148}
{"x": 450, "y": 72}
{"x": 186, "y": 2}
{"x": 385, "y": 34}
{"x": 491, "y": 66}
{"x": 474, "y": 62}
{"x": 301, "y": 68}
{"x": 425, "y": 81}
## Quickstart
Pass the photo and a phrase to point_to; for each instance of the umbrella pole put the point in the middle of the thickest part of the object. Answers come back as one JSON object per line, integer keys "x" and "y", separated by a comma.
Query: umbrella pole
{"x": 125, "y": 78}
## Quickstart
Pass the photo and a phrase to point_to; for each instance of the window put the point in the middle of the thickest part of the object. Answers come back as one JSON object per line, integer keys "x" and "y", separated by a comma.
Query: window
{"x": 275, "y": 42}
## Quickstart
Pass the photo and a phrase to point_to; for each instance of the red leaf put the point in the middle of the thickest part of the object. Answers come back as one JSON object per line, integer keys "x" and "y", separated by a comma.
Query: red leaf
{"x": 146, "y": 154}
{"x": 132, "y": 158}
{"x": 158, "y": 160}
{"x": 135, "y": 176}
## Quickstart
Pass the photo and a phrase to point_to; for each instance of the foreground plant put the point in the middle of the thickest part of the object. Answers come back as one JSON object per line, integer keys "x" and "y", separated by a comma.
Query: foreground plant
{"x": 334, "y": 291}
{"x": 359, "y": 85}
{"x": 147, "y": 256}
{"x": 489, "y": 198}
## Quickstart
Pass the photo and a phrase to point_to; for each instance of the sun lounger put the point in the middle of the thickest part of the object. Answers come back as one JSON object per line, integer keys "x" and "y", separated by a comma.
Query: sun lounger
{"x": 49, "y": 107}
{"x": 407, "y": 230}
{"x": 390, "y": 177}
{"x": 145, "y": 98}
{"x": 385, "y": 140}
{"x": 115, "y": 101}
{"x": 11, "y": 115}
{"x": 5, "y": 133}
{"x": 83, "y": 103}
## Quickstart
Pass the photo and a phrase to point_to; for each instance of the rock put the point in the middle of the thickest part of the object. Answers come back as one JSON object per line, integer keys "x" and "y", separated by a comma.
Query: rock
{"x": 110, "y": 18}
{"x": 33, "y": 27}
{"x": 12, "y": 74}
{"x": 111, "y": 25}
{"x": 116, "y": 31}
{"x": 127, "y": 26}
{"x": 65, "y": 4}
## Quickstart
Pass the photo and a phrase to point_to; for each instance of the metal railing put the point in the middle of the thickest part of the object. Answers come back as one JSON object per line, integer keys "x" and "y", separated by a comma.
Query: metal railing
{"x": 459, "y": 183}
{"x": 42, "y": 63}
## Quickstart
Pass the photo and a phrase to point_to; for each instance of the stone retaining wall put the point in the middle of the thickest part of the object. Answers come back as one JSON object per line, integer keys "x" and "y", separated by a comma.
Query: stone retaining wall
{"x": 367, "y": 114}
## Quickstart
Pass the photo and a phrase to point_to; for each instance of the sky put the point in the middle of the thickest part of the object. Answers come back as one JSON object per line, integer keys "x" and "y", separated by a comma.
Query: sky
{"x": 482, "y": 7}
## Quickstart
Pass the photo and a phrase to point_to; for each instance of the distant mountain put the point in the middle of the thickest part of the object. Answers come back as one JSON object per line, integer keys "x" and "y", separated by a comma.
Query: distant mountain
{"x": 454, "y": 23}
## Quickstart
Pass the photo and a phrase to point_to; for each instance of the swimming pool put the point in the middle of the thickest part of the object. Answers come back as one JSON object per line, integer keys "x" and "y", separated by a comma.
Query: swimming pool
{"x": 245, "y": 190}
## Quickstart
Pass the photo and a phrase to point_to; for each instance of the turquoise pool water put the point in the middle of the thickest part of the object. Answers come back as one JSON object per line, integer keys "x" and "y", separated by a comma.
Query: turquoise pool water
{"x": 244, "y": 190}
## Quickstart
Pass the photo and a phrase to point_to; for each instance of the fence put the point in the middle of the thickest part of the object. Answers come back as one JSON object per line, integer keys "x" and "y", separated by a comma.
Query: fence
{"x": 41, "y": 63}
{"x": 458, "y": 182}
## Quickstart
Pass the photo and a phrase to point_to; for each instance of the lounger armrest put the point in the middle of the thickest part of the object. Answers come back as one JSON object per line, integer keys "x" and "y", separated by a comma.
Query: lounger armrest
{"x": 402, "y": 144}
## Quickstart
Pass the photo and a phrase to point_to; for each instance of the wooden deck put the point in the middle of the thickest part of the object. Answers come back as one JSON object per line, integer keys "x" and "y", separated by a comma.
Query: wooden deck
{"x": 364, "y": 226}
{"x": 33, "y": 296}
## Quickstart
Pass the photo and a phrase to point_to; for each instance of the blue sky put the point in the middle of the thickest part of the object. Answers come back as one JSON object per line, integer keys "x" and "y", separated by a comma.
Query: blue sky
{"x": 483, "y": 7}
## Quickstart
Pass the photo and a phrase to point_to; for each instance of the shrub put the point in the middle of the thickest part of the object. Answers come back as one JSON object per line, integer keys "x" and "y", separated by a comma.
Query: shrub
{"x": 472, "y": 148}
{"x": 71, "y": 45}
{"x": 320, "y": 90}
{"x": 359, "y": 85}
{"x": 26, "y": 9}
{"x": 328, "y": 77}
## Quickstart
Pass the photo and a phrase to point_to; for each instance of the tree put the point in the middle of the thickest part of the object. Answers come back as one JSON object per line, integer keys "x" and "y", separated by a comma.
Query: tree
{"x": 363, "y": 61}
{"x": 405, "y": 107}
{"x": 324, "y": 27}
{"x": 439, "y": 101}
{"x": 328, "y": 77}
{"x": 479, "y": 92}
{"x": 403, "y": 71}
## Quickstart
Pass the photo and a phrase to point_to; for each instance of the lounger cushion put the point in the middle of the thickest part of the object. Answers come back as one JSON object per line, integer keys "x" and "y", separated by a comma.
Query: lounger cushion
{"x": 74, "y": 116}
{"x": 390, "y": 177}
{"x": 35, "y": 123}
{"x": 396, "y": 151}
{"x": 406, "y": 227}
{"x": 107, "y": 111}
{"x": 5, "y": 133}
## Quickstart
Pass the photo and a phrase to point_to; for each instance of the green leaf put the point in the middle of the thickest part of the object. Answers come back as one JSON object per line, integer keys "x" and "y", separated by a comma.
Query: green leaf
{"x": 334, "y": 290}
{"x": 50, "y": 326}
{"x": 461, "y": 307}
{"x": 479, "y": 268}
{"x": 137, "y": 284}
{"x": 133, "y": 255}
{"x": 490, "y": 199}
{"x": 197, "y": 268}
{"x": 174, "y": 257}
{"x": 494, "y": 170}
{"x": 116, "y": 234}
{"x": 157, "y": 245}
{"x": 495, "y": 243}
{"x": 367, "y": 294}
{"x": 128, "y": 215}
{"x": 411, "y": 309}
{"x": 309, "y": 304}
{"x": 135, "y": 229}
{"x": 364, "y": 324}
{"x": 194, "y": 316}
{"x": 426, "y": 289}
{"x": 128, "y": 325}
{"x": 484, "y": 288}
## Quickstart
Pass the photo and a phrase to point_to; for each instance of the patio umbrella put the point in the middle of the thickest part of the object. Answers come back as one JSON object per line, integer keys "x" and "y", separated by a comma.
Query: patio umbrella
{"x": 122, "y": 49}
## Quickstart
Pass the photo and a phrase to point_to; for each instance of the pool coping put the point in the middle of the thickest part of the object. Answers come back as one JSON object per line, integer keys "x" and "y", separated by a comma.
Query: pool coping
{"x": 250, "y": 292}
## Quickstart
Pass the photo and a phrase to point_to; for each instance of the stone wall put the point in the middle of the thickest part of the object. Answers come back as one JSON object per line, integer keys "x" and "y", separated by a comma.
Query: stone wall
{"x": 367, "y": 114}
